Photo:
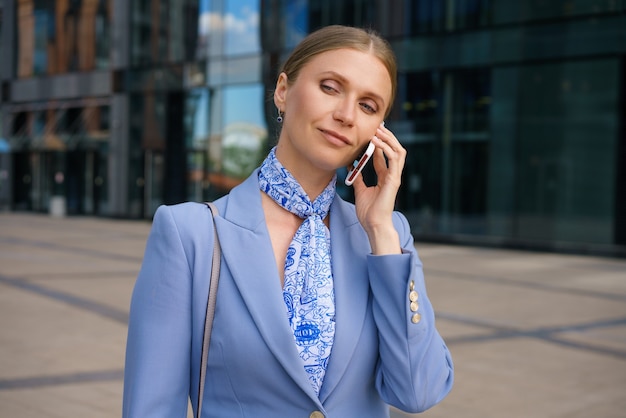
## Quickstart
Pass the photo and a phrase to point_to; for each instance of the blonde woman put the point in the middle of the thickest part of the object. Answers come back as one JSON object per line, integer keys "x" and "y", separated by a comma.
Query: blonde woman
{"x": 322, "y": 308}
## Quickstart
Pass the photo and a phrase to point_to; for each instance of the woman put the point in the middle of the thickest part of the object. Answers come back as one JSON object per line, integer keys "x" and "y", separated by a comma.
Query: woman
{"x": 321, "y": 309}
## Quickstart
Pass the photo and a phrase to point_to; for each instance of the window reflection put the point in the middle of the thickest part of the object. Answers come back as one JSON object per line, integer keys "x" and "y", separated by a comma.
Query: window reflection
{"x": 231, "y": 30}
{"x": 346, "y": 12}
{"x": 59, "y": 36}
{"x": 240, "y": 23}
{"x": 207, "y": 44}
{"x": 243, "y": 139}
{"x": 445, "y": 128}
{"x": 163, "y": 31}
{"x": 43, "y": 29}
{"x": 296, "y": 22}
{"x": 102, "y": 25}
{"x": 472, "y": 97}
{"x": 470, "y": 149}
{"x": 425, "y": 16}
{"x": 471, "y": 14}
{"x": 422, "y": 105}
{"x": 197, "y": 134}
{"x": 1, "y": 43}
{"x": 565, "y": 151}
{"x": 197, "y": 118}
{"x": 420, "y": 110}
{"x": 533, "y": 10}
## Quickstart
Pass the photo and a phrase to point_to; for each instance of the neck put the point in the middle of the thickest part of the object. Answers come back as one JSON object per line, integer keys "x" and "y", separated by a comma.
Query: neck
{"x": 312, "y": 180}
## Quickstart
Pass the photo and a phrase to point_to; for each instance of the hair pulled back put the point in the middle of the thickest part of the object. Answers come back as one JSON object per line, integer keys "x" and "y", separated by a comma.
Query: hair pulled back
{"x": 334, "y": 37}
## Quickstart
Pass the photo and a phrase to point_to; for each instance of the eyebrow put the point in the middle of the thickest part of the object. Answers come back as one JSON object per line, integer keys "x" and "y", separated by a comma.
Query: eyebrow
{"x": 343, "y": 79}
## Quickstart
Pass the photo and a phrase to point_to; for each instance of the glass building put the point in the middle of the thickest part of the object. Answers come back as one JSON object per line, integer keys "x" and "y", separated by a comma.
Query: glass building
{"x": 513, "y": 113}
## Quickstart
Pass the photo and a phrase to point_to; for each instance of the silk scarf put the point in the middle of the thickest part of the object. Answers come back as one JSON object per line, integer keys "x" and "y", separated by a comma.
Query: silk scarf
{"x": 308, "y": 285}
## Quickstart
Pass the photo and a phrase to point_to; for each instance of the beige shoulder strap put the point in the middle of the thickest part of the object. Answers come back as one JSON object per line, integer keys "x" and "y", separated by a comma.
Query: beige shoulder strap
{"x": 210, "y": 309}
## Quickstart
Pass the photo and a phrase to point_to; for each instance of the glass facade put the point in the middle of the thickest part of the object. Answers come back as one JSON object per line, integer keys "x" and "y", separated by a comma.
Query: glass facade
{"x": 512, "y": 112}
{"x": 57, "y": 126}
{"x": 55, "y": 37}
{"x": 61, "y": 152}
{"x": 564, "y": 179}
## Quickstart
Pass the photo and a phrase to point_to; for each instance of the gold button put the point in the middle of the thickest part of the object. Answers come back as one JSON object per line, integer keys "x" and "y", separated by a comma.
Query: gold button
{"x": 414, "y": 306}
{"x": 416, "y": 318}
{"x": 316, "y": 414}
{"x": 413, "y": 296}
{"x": 412, "y": 285}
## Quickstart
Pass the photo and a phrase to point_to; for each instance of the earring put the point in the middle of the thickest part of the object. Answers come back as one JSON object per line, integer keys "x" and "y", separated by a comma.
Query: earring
{"x": 279, "y": 118}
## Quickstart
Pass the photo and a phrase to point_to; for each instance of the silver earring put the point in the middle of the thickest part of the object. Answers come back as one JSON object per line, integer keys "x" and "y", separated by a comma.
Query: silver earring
{"x": 279, "y": 118}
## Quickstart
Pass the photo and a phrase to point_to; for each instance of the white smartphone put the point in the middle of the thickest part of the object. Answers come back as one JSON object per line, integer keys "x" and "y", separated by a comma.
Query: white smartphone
{"x": 359, "y": 163}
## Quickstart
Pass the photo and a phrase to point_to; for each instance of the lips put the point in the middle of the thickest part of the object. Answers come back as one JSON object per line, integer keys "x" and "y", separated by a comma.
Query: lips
{"x": 335, "y": 138}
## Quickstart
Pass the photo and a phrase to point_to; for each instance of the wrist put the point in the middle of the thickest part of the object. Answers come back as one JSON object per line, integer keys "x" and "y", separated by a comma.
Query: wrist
{"x": 384, "y": 240}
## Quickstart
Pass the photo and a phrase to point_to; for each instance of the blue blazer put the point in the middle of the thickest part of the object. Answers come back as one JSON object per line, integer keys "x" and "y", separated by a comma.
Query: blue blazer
{"x": 384, "y": 353}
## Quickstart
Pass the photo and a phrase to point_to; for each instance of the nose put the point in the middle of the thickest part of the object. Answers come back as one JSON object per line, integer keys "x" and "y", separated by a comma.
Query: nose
{"x": 345, "y": 112}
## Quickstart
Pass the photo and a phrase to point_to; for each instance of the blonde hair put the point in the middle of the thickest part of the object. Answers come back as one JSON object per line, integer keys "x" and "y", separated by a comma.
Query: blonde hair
{"x": 337, "y": 37}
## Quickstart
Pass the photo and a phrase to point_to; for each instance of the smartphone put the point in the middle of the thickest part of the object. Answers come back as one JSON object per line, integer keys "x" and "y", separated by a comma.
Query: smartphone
{"x": 359, "y": 163}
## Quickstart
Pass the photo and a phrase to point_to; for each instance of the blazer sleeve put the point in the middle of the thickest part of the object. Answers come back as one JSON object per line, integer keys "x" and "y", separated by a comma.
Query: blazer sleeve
{"x": 156, "y": 374}
{"x": 415, "y": 369}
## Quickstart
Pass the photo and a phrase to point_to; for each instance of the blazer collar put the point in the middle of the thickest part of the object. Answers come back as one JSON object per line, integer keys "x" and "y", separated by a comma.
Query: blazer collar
{"x": 248, "y": 253}
{"x": 349, "y": 249}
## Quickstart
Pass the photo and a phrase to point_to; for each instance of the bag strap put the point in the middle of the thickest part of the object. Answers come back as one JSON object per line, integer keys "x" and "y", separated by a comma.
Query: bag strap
{"x": 210, "y": 309}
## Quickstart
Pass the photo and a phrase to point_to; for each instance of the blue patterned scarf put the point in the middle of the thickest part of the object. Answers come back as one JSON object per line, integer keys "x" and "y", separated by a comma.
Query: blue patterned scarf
{"x": 308, "y": 288}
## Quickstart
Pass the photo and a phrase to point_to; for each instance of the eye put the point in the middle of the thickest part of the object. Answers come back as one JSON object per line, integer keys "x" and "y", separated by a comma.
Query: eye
{"x": 329, "y": 86}
{"x": 369, "y": 108}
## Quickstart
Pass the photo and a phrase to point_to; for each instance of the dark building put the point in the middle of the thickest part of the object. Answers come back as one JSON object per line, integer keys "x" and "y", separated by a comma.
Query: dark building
{"x": 513, "y": 113}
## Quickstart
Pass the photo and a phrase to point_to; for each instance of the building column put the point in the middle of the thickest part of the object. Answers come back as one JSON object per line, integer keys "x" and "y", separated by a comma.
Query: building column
{"x": 7, "y": 52}
{"x": 118, "y": 159}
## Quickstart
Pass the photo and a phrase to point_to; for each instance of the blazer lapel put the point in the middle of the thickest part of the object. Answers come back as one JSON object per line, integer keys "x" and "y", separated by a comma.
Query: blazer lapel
{"x": 349, "y": 248}
{"x": 248, "y": 253}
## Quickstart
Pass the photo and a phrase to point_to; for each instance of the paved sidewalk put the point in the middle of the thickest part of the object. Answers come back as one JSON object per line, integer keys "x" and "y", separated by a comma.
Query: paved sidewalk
{"x": 532, "y": 334}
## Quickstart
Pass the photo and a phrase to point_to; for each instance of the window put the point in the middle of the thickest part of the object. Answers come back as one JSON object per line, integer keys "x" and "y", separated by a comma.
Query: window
{"x": 425, "y": 16}
{"x": 1, "y": 44}
{"x": 56, "y": 37}
{"x": 532, "y": 10}
{"x": 102, "y": 25}
{"x": 473, "y": 14}
{"x": 240, "y": 24}
{"x": 161, "y": 31}
{"x": 244, "y": 134}
{"x": 566, "y": 151}
{"x": 296, "y": 22}
{"x": 197, "y": 118}
{"x": 346, "y": 12}
{"x": 444, "y": 124}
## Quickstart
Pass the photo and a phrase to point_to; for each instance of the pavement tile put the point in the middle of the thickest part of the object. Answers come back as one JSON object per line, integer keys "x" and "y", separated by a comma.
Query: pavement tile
{"x": 107, "y": 288}
{"x": 93, "y": 400}
{"x": 43, "y": 337}
{"x": 531, "y": 378}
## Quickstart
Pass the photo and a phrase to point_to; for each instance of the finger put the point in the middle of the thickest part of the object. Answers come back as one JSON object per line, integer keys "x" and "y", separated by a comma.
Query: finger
{"x": 387, "y": 137}
{"x": 390, "y": 161}
{"x": 393, "y": 153}
{"x": 359, "y": 184}
{"x": 394, "y": 147}
{"x": 378, "y": 158}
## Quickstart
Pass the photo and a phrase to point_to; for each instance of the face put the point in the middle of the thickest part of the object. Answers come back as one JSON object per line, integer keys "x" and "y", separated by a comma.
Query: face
{"x": 331, "y": 110}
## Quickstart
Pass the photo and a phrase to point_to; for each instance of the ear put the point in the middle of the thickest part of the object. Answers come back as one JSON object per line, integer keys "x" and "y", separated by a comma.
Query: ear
{"x": 280, "y": 93}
